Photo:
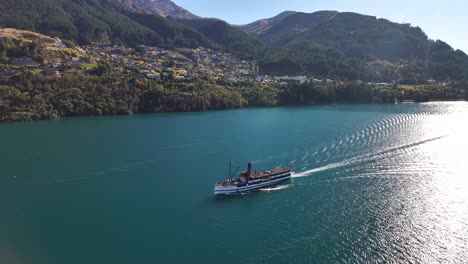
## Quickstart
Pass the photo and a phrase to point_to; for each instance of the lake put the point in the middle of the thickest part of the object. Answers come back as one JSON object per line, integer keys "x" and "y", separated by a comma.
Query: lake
{"x": 372, "y": 183}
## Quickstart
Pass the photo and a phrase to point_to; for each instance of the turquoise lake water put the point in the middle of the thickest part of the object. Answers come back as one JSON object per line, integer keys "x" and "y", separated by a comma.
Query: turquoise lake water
{"x": 372, "y": 183}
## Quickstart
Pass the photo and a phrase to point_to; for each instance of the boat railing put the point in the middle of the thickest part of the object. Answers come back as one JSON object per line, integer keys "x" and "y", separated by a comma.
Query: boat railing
{"x": 227, "y": 182}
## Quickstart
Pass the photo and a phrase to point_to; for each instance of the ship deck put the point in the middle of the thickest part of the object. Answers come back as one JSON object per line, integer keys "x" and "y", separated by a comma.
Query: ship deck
{"x": 267, "y": 173}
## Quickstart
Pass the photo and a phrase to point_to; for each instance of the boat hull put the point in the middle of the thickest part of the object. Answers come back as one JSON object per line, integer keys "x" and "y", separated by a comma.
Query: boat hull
{"x": 228, "y": 190}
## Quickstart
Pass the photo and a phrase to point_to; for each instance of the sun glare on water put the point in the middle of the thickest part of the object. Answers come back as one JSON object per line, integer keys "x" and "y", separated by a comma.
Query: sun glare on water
{"x": 435, "y": 201}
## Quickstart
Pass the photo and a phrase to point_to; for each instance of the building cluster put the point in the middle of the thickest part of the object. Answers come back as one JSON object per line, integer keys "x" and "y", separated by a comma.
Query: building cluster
{"x": 178, "y": 64}
{"x": 182, "y": 65}
{"x": 285, "y": 80}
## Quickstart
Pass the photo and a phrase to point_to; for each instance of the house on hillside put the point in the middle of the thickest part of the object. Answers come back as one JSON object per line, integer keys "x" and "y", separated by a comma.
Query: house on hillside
{"x": 232, "y": 79}
{"x": 82, "y": 51}
{"x": 59, "y": 44}
{"x": 6, "y": 73}
{"x": 26, "y": 61}
{"x": 51, "y": 72}
{"x": 153, "y": 76}
{"x": 293, "y": 79}
{"x": 190, "y": 75}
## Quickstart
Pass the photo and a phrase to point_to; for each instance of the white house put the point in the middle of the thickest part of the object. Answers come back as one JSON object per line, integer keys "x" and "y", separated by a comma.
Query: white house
{"x": 153, "y": 76}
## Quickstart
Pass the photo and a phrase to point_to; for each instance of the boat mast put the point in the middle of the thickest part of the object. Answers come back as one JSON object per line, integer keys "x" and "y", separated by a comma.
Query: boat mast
{"x": 230, "y": 166}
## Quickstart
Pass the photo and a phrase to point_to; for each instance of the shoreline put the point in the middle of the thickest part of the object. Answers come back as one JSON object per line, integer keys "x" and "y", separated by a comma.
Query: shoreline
{"x": 227, "y": 109}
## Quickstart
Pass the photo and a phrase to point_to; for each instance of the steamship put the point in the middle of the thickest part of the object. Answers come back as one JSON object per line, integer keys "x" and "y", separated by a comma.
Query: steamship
{"x": 250, "y": 181}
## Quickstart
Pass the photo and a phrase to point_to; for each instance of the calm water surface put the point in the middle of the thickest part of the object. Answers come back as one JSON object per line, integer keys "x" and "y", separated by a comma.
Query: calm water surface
{"x": 372, "y": 183}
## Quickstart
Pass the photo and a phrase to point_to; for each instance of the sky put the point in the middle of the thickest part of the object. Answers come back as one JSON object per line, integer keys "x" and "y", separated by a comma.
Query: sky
{"x": 440, "y": 19}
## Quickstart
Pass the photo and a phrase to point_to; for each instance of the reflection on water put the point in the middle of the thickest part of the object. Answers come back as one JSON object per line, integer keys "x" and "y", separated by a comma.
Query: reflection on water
{"x": 419, "y": 172}
{"x": 372, "y": 183}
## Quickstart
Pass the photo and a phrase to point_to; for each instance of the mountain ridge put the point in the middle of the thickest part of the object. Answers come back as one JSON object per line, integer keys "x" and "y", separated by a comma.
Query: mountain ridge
{"x": 348, "y": 44}
{"x": 88, "y": 21}
{"x": 108, "y": 21}
{"x": 164, "y": 8}
{"x": 229, "y": 37}
{"x": 264, "y": 24}
{"x": 341, "y": 45}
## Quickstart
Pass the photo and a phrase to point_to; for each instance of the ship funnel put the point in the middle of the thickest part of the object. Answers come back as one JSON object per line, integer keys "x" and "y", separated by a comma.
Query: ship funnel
{"x": 249, "y": 169}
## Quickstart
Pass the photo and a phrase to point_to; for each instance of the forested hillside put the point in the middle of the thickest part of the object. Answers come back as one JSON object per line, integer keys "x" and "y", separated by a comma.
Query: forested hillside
{"x": 329, "y": 44}
{"x": 228, "y": 37}
{"x": 86, "y": 21}
{"x": 354, "y": 46}
{"x": 108, "y": 21}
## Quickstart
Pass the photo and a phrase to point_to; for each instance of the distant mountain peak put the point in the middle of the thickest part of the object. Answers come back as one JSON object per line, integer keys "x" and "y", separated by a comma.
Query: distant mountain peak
{"x": 262, "y": 25}
{"x": 284, "y": 14}
{"x": 164, "y": 8}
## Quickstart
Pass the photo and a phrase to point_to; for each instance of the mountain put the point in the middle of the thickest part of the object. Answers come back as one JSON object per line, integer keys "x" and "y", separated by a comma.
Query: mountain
{"x": 164, "y": 8}
{"x": 232, "y": 39}
{"x": 228, "y": 37}
{"x": 125, "y": 22}
{"x": 355, "y": 46}
{"x": 339, "y": 45}
{"x": 88, "y": 21}
{"x": 258, "y": 27}
{"x": 289, "y": 26}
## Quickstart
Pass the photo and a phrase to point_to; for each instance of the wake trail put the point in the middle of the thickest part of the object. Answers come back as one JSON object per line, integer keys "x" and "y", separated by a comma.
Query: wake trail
{"x": 320, "y": 169}
{"x": 281, "y": 187}
{"x": 362, "y": 158}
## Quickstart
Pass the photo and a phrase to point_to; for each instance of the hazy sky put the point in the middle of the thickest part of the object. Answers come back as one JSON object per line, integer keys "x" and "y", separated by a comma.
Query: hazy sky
{"x": 446, "y": 20}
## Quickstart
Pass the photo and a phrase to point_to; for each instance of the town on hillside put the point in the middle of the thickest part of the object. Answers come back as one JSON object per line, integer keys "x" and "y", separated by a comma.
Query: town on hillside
{"x": 102, "y": 78}
{"x": 159, "y": 64}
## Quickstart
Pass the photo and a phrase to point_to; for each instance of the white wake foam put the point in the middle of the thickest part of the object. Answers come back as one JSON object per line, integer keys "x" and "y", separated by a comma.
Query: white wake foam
{"x": 362, "y": 158}
{"x": 319, "y": 169}
{"x": 277, "y": 188}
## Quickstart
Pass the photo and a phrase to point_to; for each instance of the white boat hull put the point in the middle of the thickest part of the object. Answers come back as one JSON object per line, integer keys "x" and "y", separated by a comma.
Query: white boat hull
{"x": 232, "y": 189}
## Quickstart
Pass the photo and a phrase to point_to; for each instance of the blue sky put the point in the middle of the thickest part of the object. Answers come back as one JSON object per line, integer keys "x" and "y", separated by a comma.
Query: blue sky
{"x": 440, "y": 19}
